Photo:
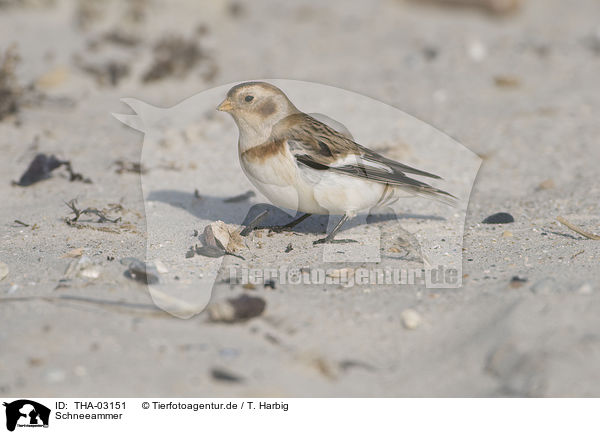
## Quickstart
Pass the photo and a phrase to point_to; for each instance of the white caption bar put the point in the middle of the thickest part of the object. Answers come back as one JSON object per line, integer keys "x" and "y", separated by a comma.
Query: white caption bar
{"x": 266, "y": 415}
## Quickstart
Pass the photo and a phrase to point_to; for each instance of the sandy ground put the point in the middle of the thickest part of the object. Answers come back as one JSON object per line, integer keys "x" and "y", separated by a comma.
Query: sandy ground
{"x": 520, "y": 91}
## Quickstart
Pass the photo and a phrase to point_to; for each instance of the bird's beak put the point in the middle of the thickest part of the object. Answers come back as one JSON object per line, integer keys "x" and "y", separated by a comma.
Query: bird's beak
{"x": 225, "y": 106}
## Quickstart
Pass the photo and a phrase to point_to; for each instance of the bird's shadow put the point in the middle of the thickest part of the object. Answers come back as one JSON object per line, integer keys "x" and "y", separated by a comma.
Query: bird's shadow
{"x": 207, "y": 207}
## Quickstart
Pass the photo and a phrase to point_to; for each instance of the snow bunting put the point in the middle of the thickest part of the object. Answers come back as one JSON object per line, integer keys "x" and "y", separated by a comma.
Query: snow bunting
{"x": 303, "y": 164}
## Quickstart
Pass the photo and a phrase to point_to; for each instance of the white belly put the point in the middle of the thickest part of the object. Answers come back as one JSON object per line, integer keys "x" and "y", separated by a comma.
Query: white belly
{"x": 341, "y": 194}
{"x": 311, "y": 191}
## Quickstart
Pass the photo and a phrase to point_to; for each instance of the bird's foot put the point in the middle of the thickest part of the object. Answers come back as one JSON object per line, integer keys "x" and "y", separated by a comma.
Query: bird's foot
{"x": 276, "y": 229}
{"x": 328, "y": 240}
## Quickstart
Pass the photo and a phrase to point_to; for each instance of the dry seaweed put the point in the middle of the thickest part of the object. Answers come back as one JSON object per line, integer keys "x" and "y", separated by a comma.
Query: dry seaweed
{"x": 493, "y": 7}
{"x": 10, "y": 91}
{"x": 104, "y": 223}
{"x": 27, "y": 3}
{"x": 89, "y": 12}
{"x": 109, "y": 73}
{"x": 119, "y": 37}
{"x": 129, "y": 167}
{"x": 174, "y": 56}
{"x": 102, "y": 218}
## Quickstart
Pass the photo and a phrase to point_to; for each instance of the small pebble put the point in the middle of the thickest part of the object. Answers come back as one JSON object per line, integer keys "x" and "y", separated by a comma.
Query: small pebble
{"x": 517, "y": 282}
{"x": 585, "y": 289}
{"x": 75, "y": 253}
{"x": 499, "y": 218}
{"x": 507, "y": 81}
{"x": 224, "y": 375}
{"x": 410, "y": 319}
{"x": 477, "y": 50}
{"x": 222, "y": 236}
{"x": 56, "y": 376}
{"x": 80, "y": 371}
{"x": 92, "y": 272}
{"x": 142, "y": 272}
{"x": 82, "y": 267}
{"x": 546, "y": 185}
{"x": 341, "y": 272}
{"x": 35, "y": 361}
{"x": 237, "y": 309}
{"x": 507, "y": 234}
{"x": 160, "y": 267}
{"x": 289, "y": 248}
{"x": 440, "y": 96}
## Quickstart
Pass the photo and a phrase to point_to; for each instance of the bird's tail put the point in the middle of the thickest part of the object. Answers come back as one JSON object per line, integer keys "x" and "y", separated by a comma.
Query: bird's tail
{"x": 392, "y": 194}
{"x": 437, "y": 195}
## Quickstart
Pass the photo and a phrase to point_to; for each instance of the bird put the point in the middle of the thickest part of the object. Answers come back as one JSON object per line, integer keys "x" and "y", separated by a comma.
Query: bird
{"x": 301, "y": 163}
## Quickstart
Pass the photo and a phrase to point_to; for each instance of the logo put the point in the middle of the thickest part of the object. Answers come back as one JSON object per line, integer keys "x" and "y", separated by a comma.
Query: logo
{"x": 26, "y": 413}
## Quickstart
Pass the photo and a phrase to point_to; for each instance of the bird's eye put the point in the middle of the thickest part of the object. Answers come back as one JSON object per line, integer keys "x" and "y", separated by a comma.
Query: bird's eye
{"x": 249, "y": 98}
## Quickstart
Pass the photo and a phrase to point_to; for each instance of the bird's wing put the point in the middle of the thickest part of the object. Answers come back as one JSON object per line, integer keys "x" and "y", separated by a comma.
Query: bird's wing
{"x": 319, "y": 147}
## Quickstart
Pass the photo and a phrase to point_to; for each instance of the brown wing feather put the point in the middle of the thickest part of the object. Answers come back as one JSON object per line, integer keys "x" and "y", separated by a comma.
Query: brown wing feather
{"x": 318, "y": 146}
{"x": 328, "y": 145}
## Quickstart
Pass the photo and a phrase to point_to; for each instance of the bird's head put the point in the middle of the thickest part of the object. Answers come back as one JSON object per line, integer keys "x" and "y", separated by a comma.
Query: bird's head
{"x": 257, "y": 106}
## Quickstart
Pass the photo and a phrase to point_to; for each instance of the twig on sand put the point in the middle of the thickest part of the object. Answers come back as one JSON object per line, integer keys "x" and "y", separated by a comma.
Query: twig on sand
{"x": 577, "y": 254}
{"x": 577, "y": 229}
{"x": 78, "y": 212}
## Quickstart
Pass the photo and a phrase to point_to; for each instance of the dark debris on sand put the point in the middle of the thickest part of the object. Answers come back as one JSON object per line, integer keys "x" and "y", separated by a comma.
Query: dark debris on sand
{"x": 498, "y": 219}
{"x": 174, "y": 57}
{"x": 109, "y": 73}
{"x": 41, "y": 167}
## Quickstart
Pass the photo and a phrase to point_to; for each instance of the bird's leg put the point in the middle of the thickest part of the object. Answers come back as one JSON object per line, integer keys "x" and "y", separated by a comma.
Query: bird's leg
{"x": 330, "y": 237}
{"x": 291, "y": 224}
{"x": 253, "y": 224}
